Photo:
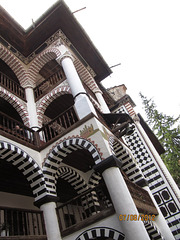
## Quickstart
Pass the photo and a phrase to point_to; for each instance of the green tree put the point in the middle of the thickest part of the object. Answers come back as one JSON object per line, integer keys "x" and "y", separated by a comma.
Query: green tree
{"x": 168, "y": 132}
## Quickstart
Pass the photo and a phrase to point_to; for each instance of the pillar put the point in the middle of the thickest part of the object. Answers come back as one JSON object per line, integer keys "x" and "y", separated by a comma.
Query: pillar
{"x": 31, "y": 107}
{"x": 102, "y": 102}
{"x": 121, "y": 198}
{"x": 82, "y": 105}
{"x": 51, "y": 221}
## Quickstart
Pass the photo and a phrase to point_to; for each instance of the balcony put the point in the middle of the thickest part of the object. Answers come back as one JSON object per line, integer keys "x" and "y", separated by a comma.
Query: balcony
{"x": 50, "y": 132}
{"x": 95, "y": 204}
{"x": 48, "y": 84}
{"x": 85, "y": 209}
{"x": 21, "y": 224}
{"x": 12, "y": 86}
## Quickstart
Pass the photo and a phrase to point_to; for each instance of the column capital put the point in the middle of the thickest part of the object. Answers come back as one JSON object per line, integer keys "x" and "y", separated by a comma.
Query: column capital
{"x": 46, "y": 199}
{"x": 67, "y": 54}
{"x": 111, "y": 161}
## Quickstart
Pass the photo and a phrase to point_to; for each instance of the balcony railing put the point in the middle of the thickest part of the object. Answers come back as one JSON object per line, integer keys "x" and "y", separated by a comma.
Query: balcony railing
{"x": 49, "y": 132}
{"x": 21, "y": 222}
{"x": 58, "y": 125}
{"x": 12, "y": 86}
{"x": 84, "y": 209}
{"x": 10, "y": 126}
{"x": 48, "y": 84}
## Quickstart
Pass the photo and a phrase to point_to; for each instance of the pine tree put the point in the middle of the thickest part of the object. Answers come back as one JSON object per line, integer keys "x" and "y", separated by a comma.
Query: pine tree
{"x": 165, "y": 129}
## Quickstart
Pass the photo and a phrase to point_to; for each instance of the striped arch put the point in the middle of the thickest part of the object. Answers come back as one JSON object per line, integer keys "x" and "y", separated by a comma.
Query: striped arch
{"x": 101, "y": 232}
{"x": 129, "y": 166}
{"x": 94, "y": 179}
{"x": 73, "y": 178}
{"x": 44, "y": 57}
{"x": 59, "y": 153}
{"x": 13, "y": 100}
{"x": 25, "y": 164}
{"x": 47, "y": 99}
{"x": 13, "y": 63}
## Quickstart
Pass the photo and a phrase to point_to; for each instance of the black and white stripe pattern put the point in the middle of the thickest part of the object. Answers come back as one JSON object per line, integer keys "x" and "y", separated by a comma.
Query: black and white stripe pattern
{"x": 59, "y": 153}
{"x": 157, "y": 183}
{"x": 99, "y": 232}
{"x": 73, "y": 178}
{"x": 153, "y": 232}
{"x": 25, "y": 164}
{"x": 129, "y": 166}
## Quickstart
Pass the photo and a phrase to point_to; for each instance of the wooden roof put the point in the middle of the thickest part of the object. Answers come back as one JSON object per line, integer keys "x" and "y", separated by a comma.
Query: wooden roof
{"x": 58, "y": 17}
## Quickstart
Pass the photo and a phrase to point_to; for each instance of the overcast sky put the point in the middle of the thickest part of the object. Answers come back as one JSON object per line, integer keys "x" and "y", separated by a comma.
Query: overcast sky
{"x": 142, "y": 35}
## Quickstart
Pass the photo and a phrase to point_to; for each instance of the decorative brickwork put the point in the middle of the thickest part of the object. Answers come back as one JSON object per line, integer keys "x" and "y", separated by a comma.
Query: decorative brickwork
{"x": 25, "y": 164}
{"x": 13, "y": 63}
{"x": 17, "y": 104}
{"x": 47, "y": 99}
{"x": 73, "y": 178}
{"x": 59, "y": 153}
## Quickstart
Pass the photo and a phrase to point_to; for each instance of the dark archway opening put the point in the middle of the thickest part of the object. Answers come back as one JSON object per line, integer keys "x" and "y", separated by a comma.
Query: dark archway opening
{"x": 5, "y": 69}
{"x": 65, "y": 191}
{"x": 9, "y": 110}
{"x": 59, "y": 105}
{"x": 12, "y": 180}
{"x": 80, "y": 159}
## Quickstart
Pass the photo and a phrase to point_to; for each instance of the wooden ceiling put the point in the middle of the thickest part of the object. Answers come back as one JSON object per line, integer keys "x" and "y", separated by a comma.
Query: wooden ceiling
{"x": 9, "y": 110}
{"x": 58, "y": 17}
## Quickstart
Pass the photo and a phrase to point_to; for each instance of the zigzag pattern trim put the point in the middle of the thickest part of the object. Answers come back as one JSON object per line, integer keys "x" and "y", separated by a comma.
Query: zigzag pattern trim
{"x": 25, "y": 164}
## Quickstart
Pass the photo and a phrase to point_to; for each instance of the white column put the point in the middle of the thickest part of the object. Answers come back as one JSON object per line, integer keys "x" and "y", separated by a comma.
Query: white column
{"x": 124, "y": 204}
{"x": 31, "y": 107}
{"x": 102, "y": 102}
{"x": 160, "y": 221}
{"x": 83, "y": 105}
{"x": 51, "y": 221}
{"x": 158, "y": 159}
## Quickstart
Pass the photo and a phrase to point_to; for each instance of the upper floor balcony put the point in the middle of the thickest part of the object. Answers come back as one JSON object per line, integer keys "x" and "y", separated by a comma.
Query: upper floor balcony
{"x": 12, "y": 86}
{"x": 15, "y": 130}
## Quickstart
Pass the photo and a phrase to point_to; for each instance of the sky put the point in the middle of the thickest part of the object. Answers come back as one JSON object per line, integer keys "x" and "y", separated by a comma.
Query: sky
{"x": 142, "y": 35}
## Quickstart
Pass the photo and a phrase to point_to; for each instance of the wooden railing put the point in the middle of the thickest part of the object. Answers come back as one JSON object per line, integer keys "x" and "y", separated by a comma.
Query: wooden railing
{"x": 17, "y": 129}
{"x": 56, "y": 127}
{"x": 50, "y": 131}
{"x": 12, "y": 86}
{"x": 83, "y": 207}
{"x": 49, "y": 83}
{"x": 18, "y": 222}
